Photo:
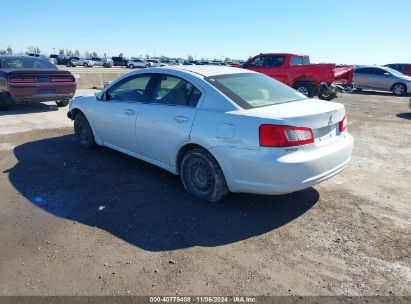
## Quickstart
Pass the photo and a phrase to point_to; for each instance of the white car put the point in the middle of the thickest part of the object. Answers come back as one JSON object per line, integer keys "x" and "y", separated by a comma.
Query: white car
{"x": 137, "y": 63}
{"x": 220, "y": 128}
{"x": 155, "y": 63}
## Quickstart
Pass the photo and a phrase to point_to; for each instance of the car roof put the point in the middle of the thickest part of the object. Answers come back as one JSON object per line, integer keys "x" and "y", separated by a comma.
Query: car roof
{"x": 20, "y": 57}
{"x": 208, "y": 70}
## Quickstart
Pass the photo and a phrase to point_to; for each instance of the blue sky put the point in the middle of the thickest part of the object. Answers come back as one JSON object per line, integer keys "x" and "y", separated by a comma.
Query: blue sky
{"x": 350, "y": 31}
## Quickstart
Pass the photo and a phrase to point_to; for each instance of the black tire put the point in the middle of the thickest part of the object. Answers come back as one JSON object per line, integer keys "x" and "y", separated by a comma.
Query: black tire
{"x": 399, "y": 89}
{"x": 202, "y": 176}
{"x": 105, "y": 65}
{"x": 83, "y": 132}
{"x": 85, "y": 64}
{"x": 131, "y": 66}
{"x": 327, "y": 96}
{"x": 62, "y": 103}
{"x": 147, "y": 66}
{"x": 4, "y": 106}
{"x": 305, "y": 88}
{"x": 68, "y": 64}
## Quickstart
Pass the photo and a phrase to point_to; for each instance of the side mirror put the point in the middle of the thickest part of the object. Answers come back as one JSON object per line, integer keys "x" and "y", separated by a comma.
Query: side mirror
{"x": 101, "y": 96}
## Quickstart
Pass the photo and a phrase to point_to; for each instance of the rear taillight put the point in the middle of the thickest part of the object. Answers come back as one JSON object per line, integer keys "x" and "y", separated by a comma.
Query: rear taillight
{"x": 285, "y": 136}
{"x": 62, "y": 79}
{"x": 22, "y": 80}
{"x": 342, "y": 126}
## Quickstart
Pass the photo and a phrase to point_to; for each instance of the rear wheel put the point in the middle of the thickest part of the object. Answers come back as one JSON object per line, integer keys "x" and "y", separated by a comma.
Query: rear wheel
{"x": 62, "y": 103}
{"x": 131, "y": 66}
{"x": 4, "y": 106}
{"x": 202, "y": 176}
{"x": 83, "y": 131}
{"x": 305, "y": 88}
{"x": 399, "y": 89}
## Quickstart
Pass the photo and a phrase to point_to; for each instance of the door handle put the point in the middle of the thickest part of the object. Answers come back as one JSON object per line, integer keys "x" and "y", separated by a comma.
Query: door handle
{"x": 129, "y": 112}
{"x": 180, "y": 118}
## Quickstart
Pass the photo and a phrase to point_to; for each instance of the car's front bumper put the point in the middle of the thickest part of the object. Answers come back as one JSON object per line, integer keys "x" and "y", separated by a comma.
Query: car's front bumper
{"x": 275, "y": 171}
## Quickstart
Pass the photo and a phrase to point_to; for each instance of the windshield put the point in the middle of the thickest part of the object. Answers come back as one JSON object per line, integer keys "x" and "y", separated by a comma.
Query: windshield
{"x": 394, "y": 72}
{"x": 27, "y": 63}
{"x": 253, "y": 90}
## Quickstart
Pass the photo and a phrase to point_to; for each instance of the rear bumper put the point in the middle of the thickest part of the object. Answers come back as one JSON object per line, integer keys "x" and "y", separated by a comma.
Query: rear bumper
{"x": 41, "y": 92}
{"x": 274, "y": 171}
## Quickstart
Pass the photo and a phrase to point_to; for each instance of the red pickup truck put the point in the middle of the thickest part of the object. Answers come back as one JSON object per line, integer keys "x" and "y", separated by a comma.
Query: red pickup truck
{"x": 297, "y": 72}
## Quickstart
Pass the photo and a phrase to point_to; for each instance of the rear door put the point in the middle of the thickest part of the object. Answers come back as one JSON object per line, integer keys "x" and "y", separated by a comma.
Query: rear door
{"x": 115, "y": 117}
{"x": 165, "y": 122}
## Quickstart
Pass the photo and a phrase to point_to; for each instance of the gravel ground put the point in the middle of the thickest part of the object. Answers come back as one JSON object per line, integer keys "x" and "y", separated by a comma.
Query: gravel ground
{"x": 75, "y": 222}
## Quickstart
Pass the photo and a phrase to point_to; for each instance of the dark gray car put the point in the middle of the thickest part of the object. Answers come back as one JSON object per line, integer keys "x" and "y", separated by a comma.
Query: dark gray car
{"x": 381, "y": 79}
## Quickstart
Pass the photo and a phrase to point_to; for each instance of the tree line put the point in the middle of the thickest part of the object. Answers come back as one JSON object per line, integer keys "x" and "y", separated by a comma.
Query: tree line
{"x": 76, "y": 53}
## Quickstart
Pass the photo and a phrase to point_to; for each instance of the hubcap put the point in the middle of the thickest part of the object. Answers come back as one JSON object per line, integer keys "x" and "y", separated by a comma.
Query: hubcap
{"x": 303, "y": 90}
{"x": 398, "y": 89}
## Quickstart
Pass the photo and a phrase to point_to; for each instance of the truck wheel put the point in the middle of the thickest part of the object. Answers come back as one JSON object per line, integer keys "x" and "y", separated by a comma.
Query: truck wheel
{"x": 62, "y": 103}
{"x": 202, "y": 176}
{"x": 4, "y": 106}
{"x": 305, "y": 88}
{"x": 83, "y": 132}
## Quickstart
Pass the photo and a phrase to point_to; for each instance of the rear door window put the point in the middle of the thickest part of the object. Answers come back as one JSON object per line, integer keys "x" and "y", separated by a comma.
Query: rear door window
{"x": 175, "y": 91}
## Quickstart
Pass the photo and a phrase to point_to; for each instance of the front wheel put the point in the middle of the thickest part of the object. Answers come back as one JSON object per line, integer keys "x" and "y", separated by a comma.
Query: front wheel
{"x": 202, "y": 176}
{"x": 399, "y": 89}
{"x": 83, "y": 132}
{"x": 62, "y": 103}
{"x": 85, "y": 65}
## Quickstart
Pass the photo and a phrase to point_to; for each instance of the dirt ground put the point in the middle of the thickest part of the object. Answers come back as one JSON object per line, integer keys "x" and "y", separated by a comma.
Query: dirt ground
{"x": 75, "y": 222}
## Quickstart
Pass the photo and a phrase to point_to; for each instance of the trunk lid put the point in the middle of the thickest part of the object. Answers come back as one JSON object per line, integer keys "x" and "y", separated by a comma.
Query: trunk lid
{"x": 322, "y": 117}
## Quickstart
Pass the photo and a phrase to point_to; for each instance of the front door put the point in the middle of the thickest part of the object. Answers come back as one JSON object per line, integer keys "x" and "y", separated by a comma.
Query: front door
{"x": 115, "y": 117}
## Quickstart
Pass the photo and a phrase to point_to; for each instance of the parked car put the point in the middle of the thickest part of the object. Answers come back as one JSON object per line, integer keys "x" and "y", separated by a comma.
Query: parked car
{"x": 85, "y": 62}
{"x": 119, "y": 61}
{"x": 137, "y": 63}
{"x": 297, "y": 72}
{"x": 381, "y": 79}
{"x": 220, "y": 128}
{"x": 195, "y": 62}
{"x": 55, "y": 56}
{"x": 170, "y": 62}
{"x": 155, "y": 63}
{"x": 26, "y": 79}
{"x": 71, "y": 61}
{"x": 104, "y": 62}
{"x": 404, "y": 68}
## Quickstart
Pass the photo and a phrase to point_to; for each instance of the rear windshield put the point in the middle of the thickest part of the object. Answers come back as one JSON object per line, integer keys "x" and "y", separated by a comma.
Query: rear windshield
{"x": 253, "y": 90}
{"x": 27, "y": 63}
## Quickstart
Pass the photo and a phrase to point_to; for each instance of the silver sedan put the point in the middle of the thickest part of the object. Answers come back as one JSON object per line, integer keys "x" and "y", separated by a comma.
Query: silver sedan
{"x": 381, "y": 79}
